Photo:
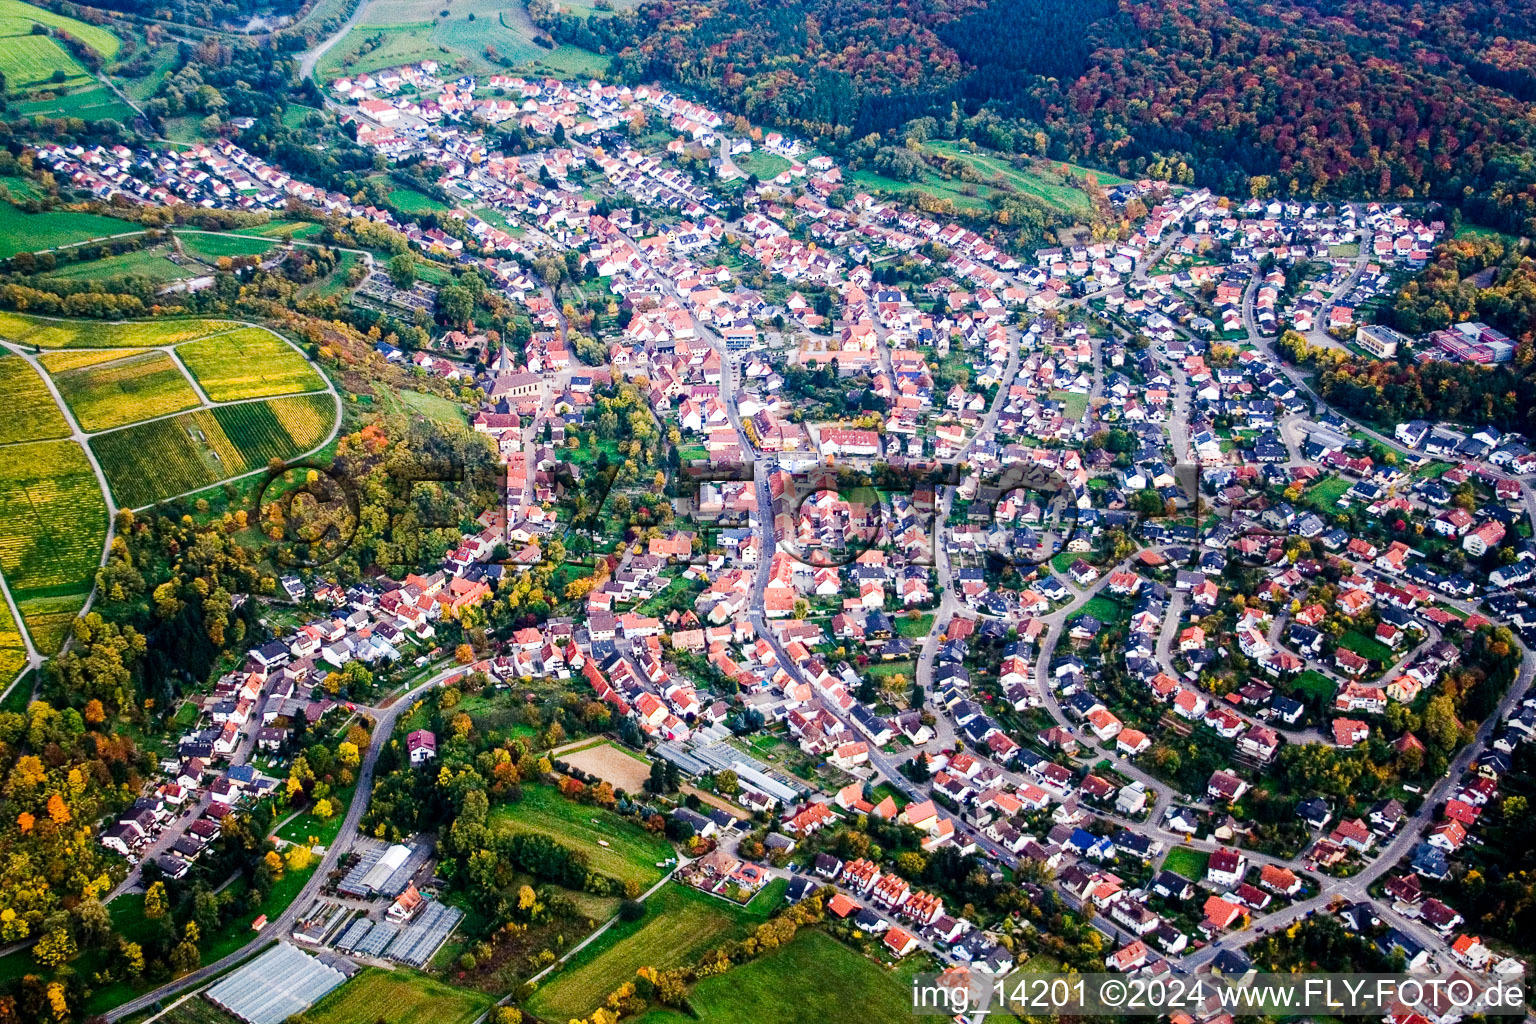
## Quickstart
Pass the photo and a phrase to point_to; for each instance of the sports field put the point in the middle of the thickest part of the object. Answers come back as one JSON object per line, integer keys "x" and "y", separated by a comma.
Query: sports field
{"x": 864, "y": 992}
{"x": 125, "y": 391}
{"x": 31, "y": 414}
{"x": 154, "y": 461}
{"x": 42, "y": 332}
{"x": 52, "y": 518}
{"x": 680, "y": 925}
{"x": 615, "y": 846}
{"x": 248, "y": 363}
{"x": 399, "y": 996}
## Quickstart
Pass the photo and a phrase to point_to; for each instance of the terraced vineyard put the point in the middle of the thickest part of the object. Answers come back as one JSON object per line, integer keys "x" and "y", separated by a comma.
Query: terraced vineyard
{"x": 53, "y": 522}
{"x": 30, "y": 411}
{"x": 44, "y": 333}
{"x": 248, "y": 363}
{"x": 124, "y": 391}
{"x": 154, "y": 461}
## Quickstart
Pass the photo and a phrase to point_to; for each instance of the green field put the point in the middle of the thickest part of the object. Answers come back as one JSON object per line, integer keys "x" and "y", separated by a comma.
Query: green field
{"x": 399, "y": 996}
{"x": 1043, "y": 180}
{"x": 152, "y": 264}
{"x": 88, "y": 102}
{"x": 863, "y": 993}
{"x": 1366, "y": 647}
{"x": 248, "y": 363}
{"x": 154, "y": 461}
{"x": 125, "y": 391}
{"x": 433, "y": 407}
{"x": 407, "y": 31}
{"x": 615, "y": 846}
{"x": 27, "y": 60}
{"x": 680, "y": 925}
{"x": 16, "y": 18}
{"x": 31, "y": 414}
{"x": 914, "y": 627}
{"x": 1073, "y": 403}
{"x": 41, "y": 332}
{"x": 209, "y": 247}
{"x": 765, "y": 165}
{"x": 1187, "y": 862}
{"x": 32, "y": 232}
{"x": 408, "y": 200}
{"x": 52, "y": 519}
{"x": 1311, "y": 683}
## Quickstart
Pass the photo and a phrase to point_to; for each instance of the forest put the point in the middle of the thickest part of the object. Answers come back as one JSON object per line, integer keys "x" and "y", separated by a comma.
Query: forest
{"x": 1363, "y": 97}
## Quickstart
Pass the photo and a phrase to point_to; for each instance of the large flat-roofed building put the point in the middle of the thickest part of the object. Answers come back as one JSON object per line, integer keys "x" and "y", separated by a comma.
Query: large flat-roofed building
{"x": 1380, "y": 341}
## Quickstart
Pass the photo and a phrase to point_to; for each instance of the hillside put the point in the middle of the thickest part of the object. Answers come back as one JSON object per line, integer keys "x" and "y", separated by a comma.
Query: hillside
{"x": 1359, "y": 97}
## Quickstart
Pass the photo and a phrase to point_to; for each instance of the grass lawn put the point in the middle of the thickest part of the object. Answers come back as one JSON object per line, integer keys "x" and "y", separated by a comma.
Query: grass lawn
{"x": 1187, "y": 862}
{"x": 762, "y": 163}
{"x": 615, "y": 846}
{"x": 1105, "y": 609}
{"x": 305, "y": 825}
{"x": 31, "y": 232}
{"x": 864, "y": 992}
{"x": 435, "y": 407}
{"x": 680, "y": 925}
{"x": 914, "y": 628}
{"x": 408, "y": 200}
{"x": 400, "y": 996}
{"x": 1042, "y": 180}
{"x": 886, "y": 669}
{"x": 1325, "y": 495}
{"x": 1314, "y": 684}
{"x": 90, "y": 103}
{"x": 1074, "y": 403}
{"x": 1367, "y": 647}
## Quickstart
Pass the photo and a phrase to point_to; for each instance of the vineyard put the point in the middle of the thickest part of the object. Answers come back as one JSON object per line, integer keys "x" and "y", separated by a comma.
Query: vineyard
{"x": 13, "y": 652}
{"x": 30, "y": 411}
{"x": 74, "y": 358}
{"x": 155, "y": 461}
{"x": 126, "y": 391}
{"x": 45, "y": 333}
{"x": 53, "y": 520}
{"x": 48, "y": 618}
{"x": 248, "y": 363}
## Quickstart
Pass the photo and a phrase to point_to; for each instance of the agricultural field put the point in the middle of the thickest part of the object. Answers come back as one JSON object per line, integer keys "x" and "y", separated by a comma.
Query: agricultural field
{"x": 53, "y": 520}
{"x": 31, "y": 414}
{"x": 27, "y": 60}
{"x": 209, "y": 247}
{"x": 865, "y": 993}
{"x": 17, "y": 18}
{"x": 615, "y": 846}
{"x": 33, "y": 232}
{"x": 126, "y": 391}
{"x": 248, "y": 363}
{"x": 48, "y": 619}
{"x": 608, "y": 762}
{"x": 400, "y": 996}
{"x": 13, "y": 652}
{"x": 680, "y": 924}
{"x": 40, "y": 332}
{"x": 88, "y": 102}
{"x": 150, "y": 263}
{"x": 73, "y": 358}
{"x": 154, "y": 461}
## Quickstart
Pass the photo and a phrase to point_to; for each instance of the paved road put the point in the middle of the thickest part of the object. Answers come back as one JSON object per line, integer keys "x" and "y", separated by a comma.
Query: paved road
{"x": 279, "y": 926}
{"x": 312, "y": 56}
